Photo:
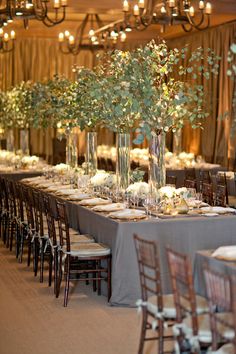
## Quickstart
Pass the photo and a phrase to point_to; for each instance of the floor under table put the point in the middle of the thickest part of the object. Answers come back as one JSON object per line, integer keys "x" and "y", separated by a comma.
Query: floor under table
{"x": 33, "y": 321}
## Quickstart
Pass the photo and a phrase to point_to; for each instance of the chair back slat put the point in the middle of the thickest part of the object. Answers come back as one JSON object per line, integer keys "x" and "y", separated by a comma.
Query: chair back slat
{"x": 182, "y": 286}
{"x": 63, "y": 225}
{"x": 149, "y": 269}
{"x": 221, "y": 296}
{"x": 50, "y": 219}
{"x": 207, "y": 193}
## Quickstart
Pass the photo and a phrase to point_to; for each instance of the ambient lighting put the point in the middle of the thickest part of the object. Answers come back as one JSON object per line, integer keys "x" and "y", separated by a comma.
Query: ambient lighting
{"x": 168, "y": 12}
{"x": 98, "y": 36}
{"x": 7, "y": 42}
{"x": 50, "y": 12}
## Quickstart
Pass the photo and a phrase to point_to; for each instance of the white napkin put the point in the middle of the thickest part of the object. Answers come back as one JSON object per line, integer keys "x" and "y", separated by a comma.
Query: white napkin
{"x": 218, "y": 210}
{"x": 225, "y": 252}
{"x": 128, "y": 214}
{"x": 109, "y": 207}
{"x": 95, "y": 201}
{"x": 80, "y": 196}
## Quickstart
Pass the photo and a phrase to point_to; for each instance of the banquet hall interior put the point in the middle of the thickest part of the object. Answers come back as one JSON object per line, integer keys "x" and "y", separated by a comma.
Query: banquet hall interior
{"x": 117, "y": 176}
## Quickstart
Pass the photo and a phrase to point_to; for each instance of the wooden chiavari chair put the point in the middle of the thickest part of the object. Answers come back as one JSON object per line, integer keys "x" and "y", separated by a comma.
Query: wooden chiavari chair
{"x": 220, "y": 195}
{"x": 190, "y": 183}
{"x": 171, "y": 180}
{"x": 207, "y": 193}
{"x": 155, "y": 306}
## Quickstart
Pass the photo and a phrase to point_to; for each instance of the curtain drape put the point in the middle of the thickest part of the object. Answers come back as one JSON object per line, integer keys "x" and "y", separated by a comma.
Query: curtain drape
{"x": 39, "y": 58}
{"x": 215, "y": 142}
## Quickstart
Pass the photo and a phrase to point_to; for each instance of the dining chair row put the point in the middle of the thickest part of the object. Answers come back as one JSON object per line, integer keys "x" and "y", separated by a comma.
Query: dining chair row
{"x": 31, "y": 219}
{"x": 198, "y": 324}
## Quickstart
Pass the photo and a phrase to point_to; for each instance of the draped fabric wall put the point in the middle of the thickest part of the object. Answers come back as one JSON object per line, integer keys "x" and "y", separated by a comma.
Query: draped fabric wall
{"x": 39, "y": 58}
{"x": 215, "y": 142}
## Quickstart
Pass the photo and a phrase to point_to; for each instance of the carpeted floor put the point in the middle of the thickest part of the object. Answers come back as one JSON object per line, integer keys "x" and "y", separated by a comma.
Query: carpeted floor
{"x": 33, "y": 321}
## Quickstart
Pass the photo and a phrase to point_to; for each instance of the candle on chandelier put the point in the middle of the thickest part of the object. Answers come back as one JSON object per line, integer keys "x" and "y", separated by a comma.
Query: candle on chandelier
{"x": 191, "y": 11}
{"x": 6, "y": 37}
{"x": 208, "y": 8}
{"x": 91, "y": 33}
{"x": 136, "y": 10}
{"x": 61, "y": 37}
{"x": 141, "y": 4}
{"x": 67, "y": 34}
{"x": 171, "y": 3}
{"x": 201, "y": 5}
{"x": 1, "y": 32}
{"x": 123, "y": 37}
{"x": 163, "y": 10}
{"x": 56, "y": 4}
{"x": 71, "y": 40}
{"x": 64, "y": 3}
{"x": 13, "y": 34}
{"x": 125, "y": 6}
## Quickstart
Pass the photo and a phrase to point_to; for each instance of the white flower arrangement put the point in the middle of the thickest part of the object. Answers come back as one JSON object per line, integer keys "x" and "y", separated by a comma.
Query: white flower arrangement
{"x": 29, "y": 160}
{"x": 61, "y": 168}
{"x": 169, "y": 192}
{"x": 103, "y": 178}
{"x": 140, "y": 189}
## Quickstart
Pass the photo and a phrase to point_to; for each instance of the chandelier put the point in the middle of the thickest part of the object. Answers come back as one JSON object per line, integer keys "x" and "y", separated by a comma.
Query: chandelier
{"x": 49, "y": 12}
{"x": 143, "y": 13}
{"x": 7, "y": 42}
{"x": 89, "y": 35}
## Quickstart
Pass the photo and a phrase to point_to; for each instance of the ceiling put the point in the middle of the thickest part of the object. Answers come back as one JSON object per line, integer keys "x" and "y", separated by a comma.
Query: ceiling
{"x": 223, "y": 11}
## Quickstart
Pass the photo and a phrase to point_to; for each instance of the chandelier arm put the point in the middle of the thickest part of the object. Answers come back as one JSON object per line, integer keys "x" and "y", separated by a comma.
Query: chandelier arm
{"x": 187, "y": 29}
{"x": 40, "y": 10}
{"x": 197, "y": 25}
{"x": 61, "y": 48}
{"x": 50, "y": 23}
{"x": 99, "y": 21}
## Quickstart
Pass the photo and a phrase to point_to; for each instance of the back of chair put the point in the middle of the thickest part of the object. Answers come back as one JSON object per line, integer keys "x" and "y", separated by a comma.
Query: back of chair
{"x": 149, "y": 269}
{"x": 28, "y": 201}
{"x": 171, "y": 180}
{"x": 205, "y": 176}
{"x": 221, "y": 180}
{"x": 220, "y": 195}
{"x": 190, "y": 173}
{"x": 50, "y": 219}
{"x": 207, "y": 193}
{"x": 63, "y": 225}
{"x": 190, "y": 183}
{"x": 182, "y": 286}
{"x": 38, "y": 212}
{"x": 220, "y": 290}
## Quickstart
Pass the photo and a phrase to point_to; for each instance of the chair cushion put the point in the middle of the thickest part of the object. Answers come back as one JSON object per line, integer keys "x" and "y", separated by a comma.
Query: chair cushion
{"x": 169, "y": 306}
{"x": 204, "y": 330}
{"x": 86, "y": 250}
{"x": 77, "y": 238}
{"x": 226, "y": 349}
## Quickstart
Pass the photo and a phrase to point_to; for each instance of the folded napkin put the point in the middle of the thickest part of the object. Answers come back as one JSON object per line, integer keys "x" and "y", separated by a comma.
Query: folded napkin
{"x": 109, "y": 207}
{"x": 128, "y": 214}
{"x": 225, "y": 252}
{"x": 218, "y": 210}
{"x": 79, "y": 196}
{"x": 67, "y": 191}
{"x": 95, "y": 201}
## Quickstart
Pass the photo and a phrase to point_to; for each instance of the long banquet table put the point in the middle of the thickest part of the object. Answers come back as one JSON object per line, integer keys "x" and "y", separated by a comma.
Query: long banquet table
{"x": 185, "y": 234}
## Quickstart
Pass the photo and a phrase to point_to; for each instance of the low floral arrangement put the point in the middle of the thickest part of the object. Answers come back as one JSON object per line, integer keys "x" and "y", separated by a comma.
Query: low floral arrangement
{"x": 139, "y": 189}
{"x": 103, "y": 179}
{"x": 29, "y": 160}
{"x": 169, "y": 192}
{"x": 61, "y": 168}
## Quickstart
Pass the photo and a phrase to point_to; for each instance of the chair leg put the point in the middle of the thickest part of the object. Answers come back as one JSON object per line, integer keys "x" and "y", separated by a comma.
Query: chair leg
{"x": 143, "y": 332}
{"x": 29, "y": 251}
{"x": 13, "y": 230}
{"x": 99, "y": 276}
{"x": 50, "y": 270}
{"x": 41, "y": 262}
{"x": 108, "y": 278}
{"x": 160, "y": 336}
{"x": 59, "y": 275}
{"x": 67, "y": 285}
{"x": 35, "y": 257}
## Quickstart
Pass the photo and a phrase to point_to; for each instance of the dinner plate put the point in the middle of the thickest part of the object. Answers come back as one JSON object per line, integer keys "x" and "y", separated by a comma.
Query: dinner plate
{"x": 227, "y": 253}
{"x": 218, "y": 210}
{"x": 67, "y": 191}
{"x": 79, "y": 196}
{"x": 94, "y": 201}
{"x": 128, "y": 214}
{"x": 109, "y": 207}
{"x": 210, "y": 214}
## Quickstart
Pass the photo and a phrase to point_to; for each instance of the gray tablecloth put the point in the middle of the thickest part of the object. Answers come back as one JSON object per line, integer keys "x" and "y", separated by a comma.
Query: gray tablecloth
{"x": 204, "y": 257}
{"x": 20, "y": 174}
{"x": 187, "y": 235}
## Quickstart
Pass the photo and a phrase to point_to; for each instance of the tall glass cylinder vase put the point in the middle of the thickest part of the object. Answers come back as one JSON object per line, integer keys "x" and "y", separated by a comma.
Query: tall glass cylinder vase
{"x": 157, "y": 171}
{"x": 177, "y": 141}
{"x": 91, "y": 153}
{"x": 72, "y": 148}
{"x": 123, "y": 160}
{"x": 24, "y": 141}
{"x": 10, "y": 140}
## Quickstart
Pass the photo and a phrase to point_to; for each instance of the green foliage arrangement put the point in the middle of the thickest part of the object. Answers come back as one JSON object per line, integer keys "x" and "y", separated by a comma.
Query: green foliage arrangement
{"x": 149, "y": 85}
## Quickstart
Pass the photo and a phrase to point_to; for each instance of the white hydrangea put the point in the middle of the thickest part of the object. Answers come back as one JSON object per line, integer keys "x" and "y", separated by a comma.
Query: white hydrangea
{"x": 138, "y": 188}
